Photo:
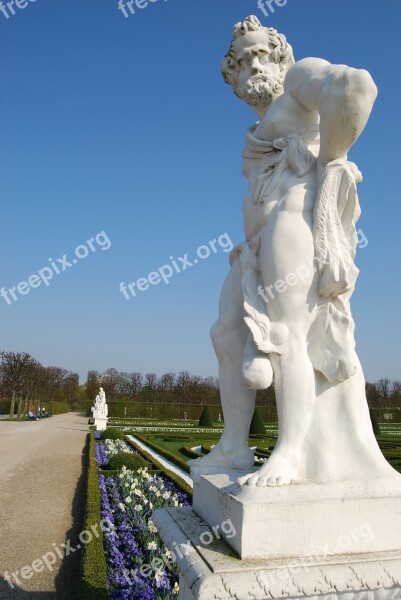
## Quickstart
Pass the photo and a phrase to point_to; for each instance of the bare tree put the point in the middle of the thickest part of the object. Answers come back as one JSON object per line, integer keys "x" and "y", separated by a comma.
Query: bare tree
{"x": 151, "y": 386}
{"x": 135, "y": 382}
{"x": 92, "y": 385}
{"x": 56, "y": 377}
{"x": 32, "y": 377}
{"x": 71, "y": 389}
{"x": 182, "y": 382}
{"x": 112, "y": 382}
{"x": 14, "y": 366}
{"x": 384, "y": 389}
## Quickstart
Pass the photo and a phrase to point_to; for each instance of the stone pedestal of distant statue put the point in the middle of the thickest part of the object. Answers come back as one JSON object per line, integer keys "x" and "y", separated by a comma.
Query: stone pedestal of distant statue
{"x": 100, "y": 411}
{"x": 321, "y": 519}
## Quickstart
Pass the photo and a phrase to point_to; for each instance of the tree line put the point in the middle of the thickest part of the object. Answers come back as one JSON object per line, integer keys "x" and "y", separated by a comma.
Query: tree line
{"x": 385, "y": 393}
{"x": 25, "y": 382}
{"x": 170, "y": 388}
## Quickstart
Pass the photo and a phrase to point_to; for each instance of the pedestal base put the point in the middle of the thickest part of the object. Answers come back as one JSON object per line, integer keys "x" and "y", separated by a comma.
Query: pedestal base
{"x": 101, "y": 423}
{"x": 304, "y": 519}
{"x": 209, "y": 569}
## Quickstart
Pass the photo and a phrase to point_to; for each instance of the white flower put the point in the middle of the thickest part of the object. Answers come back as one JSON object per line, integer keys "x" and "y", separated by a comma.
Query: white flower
{"x": 151, "y": 527}
{"x": 128, "y": 499}
{"x": 122, "y": 507}
{"x": 166, "y": 495}
{"x": 152, "y": 546}
{"x": 138, "y": 507}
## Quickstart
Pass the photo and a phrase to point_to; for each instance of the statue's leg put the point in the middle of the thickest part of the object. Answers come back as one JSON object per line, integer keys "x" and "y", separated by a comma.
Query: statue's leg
{"x": 229, "y": 337}
{"x": 287, "y": 253}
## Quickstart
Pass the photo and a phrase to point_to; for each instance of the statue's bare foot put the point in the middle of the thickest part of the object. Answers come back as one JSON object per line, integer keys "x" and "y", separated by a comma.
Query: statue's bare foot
{"x": 226, "y": 457}
{"x": 280, "y": 469}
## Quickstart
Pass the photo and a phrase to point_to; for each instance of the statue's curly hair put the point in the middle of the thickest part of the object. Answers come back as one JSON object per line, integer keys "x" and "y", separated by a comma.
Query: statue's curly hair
{"x": 281, "y": 51}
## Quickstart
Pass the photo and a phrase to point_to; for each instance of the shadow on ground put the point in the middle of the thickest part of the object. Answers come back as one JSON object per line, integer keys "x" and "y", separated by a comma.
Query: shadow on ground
{"x": 67, "y": 581}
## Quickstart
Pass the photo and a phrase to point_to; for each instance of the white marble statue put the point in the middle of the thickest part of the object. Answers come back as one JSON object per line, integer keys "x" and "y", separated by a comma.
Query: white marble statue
{"x": 284, "y": 308}
{"x": 100, "y": 410}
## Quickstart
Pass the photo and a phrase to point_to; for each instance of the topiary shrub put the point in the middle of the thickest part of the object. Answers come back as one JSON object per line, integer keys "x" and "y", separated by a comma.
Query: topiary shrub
{"x": 112, "y": 434}
{"x": 257, "y": 424}
{"x": 131, "y": 461}
{"x": 206, "y": 418}
{"x": 375, "y": 423}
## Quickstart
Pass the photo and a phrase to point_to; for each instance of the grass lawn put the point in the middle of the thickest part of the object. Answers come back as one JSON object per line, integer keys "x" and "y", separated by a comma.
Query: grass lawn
{"x": 389, "y": 441}
{"x": 174, "y": 435}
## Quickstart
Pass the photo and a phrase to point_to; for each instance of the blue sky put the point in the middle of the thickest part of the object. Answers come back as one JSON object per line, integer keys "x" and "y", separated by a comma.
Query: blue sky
{"x": 124, "y": 125}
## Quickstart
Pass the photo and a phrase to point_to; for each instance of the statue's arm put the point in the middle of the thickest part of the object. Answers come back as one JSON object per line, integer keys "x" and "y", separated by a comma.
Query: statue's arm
{"x": 343, "y": 97}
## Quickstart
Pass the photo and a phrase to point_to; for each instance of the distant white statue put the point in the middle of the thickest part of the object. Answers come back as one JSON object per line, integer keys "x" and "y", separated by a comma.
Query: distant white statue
{"x": 100, "y": 410}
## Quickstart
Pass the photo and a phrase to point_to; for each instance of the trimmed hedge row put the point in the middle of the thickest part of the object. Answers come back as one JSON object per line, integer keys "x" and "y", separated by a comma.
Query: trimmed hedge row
{"x": 190, "y": 453}
{"x": 129, "y": 460}
{"x": 179, "y": 462}
{"x": 58, "y": 408}
{"x": 93, "y": 568}
{"x": 178, "y": 482}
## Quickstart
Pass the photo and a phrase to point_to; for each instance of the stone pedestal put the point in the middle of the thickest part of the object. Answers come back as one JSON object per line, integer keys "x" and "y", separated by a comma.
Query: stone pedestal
{"x": 209, "y": 570}
{"x": 101, "y": 423}
{"x": 304, "y": 519}
{"x": 305, "y": 541}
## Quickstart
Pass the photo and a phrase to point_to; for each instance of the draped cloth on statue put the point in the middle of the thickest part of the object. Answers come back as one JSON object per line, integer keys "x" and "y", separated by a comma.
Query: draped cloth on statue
{"x": 336, "y": 213}
{"x": 340, "y": 444}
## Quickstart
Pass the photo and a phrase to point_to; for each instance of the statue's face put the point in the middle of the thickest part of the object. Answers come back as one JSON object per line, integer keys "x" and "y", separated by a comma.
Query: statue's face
{"x": 260, "y": 80}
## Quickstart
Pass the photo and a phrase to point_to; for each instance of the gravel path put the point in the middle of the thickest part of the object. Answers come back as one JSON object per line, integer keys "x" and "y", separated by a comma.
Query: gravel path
{"x": 42, "y": 490}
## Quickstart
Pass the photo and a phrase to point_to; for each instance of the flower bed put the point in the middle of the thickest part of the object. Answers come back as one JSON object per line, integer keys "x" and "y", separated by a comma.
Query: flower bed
{"x": 139, "y": 565}
{"x": 104, "y": 451}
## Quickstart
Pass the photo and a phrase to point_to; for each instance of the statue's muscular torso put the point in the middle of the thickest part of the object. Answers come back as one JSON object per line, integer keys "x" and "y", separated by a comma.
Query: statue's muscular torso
{"x": 297, "y": 195}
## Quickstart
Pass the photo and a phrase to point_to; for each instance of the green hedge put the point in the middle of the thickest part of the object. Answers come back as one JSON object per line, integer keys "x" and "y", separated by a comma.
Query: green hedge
{"x": 157, "y": 410}
{"x": 180, "y": 462}
{"x": 178, "y": 482}
{"x": 129, "y": 460}
{"x": 257, "y": 424}
{"x": 189, "y": 452}
{"x": 112, "y": 434}
{"x": 93, "y": 568}
{"x": 57, "y": 408}
{"x": 206, "y": 419}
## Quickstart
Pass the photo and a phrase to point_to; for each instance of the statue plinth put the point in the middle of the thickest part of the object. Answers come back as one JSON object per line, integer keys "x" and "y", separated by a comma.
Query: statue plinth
{"x": 303, "y": 520}
{"x": 101, "y": 423}
{"x": 212, "y": 571}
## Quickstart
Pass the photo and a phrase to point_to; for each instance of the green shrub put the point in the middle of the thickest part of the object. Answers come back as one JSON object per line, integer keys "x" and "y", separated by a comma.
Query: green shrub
{"x": 257, "y": 425}
{"x": 206, "y": 418}
{"x": 375, "y": 423}
{"x": 112, "y": 434}
{"x": 180, "y": 462}
{"x": 189, "y": 452}
{"x": 131, "y": 461}
{"x": 93, "y": 568}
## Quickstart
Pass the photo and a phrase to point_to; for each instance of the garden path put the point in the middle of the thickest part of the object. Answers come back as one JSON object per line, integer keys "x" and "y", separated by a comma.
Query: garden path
{"x": 42, "y": 498}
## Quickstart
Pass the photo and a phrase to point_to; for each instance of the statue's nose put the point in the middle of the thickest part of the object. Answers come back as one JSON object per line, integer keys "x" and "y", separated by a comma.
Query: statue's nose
{"x": 256, "y": 66}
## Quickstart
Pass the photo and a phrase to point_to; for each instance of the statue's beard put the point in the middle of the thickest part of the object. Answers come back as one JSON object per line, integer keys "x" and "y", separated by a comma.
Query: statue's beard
{"x": 260, "y": 89}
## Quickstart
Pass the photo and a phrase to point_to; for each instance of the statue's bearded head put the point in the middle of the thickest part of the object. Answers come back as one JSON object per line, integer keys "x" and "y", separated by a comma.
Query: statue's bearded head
{"x": 257, "y": 62}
